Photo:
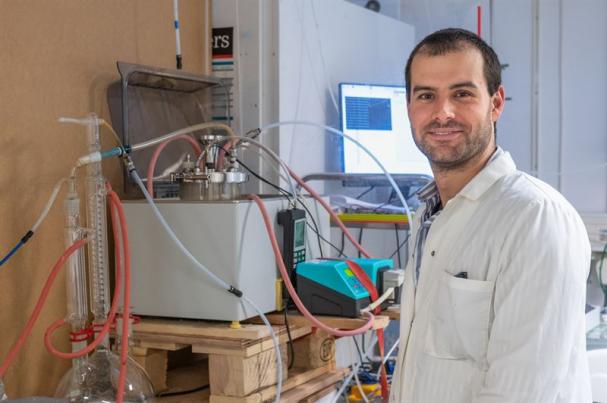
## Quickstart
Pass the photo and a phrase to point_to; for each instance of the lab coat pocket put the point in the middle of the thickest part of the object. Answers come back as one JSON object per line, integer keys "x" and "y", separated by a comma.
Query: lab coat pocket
{"x": 458, "y": 326}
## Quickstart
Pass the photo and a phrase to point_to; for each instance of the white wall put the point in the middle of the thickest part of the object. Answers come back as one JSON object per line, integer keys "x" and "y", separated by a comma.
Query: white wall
{"x": 515, "y": 50}
{"x": 584, "y": 85}
{"x": 323, "y": 43}
{"x": 390, "y": 8}
{"x": 554, "y": 123}
{"x": 255, "y": 72}
{"x": 430, "y": 15}
{"x": 570, "y": 56}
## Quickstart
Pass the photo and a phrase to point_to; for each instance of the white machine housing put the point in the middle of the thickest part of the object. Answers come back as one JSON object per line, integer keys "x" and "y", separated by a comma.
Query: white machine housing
{"x": 227, "y": 237}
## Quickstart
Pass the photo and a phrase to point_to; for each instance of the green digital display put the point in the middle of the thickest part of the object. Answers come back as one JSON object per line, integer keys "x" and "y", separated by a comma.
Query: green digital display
{"x": 300, "y": 231}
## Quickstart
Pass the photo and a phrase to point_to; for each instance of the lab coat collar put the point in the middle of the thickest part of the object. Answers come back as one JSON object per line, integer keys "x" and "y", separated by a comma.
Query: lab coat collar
{"x": 499, "y": 165}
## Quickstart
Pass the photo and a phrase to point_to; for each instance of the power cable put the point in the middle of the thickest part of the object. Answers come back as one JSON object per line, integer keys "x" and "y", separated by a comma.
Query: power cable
{"x": 343, "y": 244}
{"x": 291, "y": 349}
{"x": 360, "y": 354}
{"x": 288, "y": 195}
{"x": 340, "y": 252}
{"x": 365, "y": 192}
{"x": 183, "y": 392}
{"x": 400, "y": 245}
{"x": 360, "y": 239}
{"x": 400, "y": 264}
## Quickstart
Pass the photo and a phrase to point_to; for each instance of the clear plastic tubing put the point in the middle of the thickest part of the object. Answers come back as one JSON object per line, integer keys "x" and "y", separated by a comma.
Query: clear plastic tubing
{"x": 75, "y": 278}
{"x": 336, "y": 132}
{"x": 96, "y": 223}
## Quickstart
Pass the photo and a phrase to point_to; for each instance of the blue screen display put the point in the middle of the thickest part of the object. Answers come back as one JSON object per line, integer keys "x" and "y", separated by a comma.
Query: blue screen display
{"x": 368, "y": 113}
{"x": 376, "y": 117}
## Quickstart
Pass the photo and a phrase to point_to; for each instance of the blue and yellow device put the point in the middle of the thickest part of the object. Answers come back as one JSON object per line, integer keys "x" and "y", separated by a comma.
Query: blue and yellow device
{"x": 329, "y": 287}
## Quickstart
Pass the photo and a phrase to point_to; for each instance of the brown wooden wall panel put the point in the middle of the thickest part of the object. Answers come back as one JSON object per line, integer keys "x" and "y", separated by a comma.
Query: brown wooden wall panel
{"x": 56, "y": 59}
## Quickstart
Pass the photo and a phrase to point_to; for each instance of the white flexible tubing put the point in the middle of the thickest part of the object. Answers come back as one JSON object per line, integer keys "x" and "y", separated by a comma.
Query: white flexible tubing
{"x": 185, "y": 130}
{"x": 396, "y": 343}
{"x": 287, "y": 281}
{"x": 349, "y": 138}
{"x": 48, "y": 205}
{"x": 211, "y": 275}
{"x": 351, "y": 375}
{"x": 391, "y": 350}
{"x": 172, "y": 235}
{"x": 276, "y": 347}
{"x": 378, "y": 301}
{"x": 360, "y": 388}
{"x": 345, "y": 383}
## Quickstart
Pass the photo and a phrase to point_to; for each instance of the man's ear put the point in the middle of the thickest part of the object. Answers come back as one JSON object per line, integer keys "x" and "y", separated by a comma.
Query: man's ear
{"x": 497, "y": 103}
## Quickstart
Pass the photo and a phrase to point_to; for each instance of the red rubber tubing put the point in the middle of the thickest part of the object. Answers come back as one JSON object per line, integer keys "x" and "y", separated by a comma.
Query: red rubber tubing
{"x": 479, "y": 20}
{"x": 120, "y": 223}
{"x": 39, "y": 305}
{"x": 372, "y": 290}
{"x": 329, "y": 210}
{"x": 116, "y": 205}
{"x": 285, "y": 276}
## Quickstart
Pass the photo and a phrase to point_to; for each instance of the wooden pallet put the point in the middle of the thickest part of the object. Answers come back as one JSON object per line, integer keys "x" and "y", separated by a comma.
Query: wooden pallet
{"x": 301, "y": 385}
{"x": 338, "y": 322}
{"x": 211, "y": 337}
{"x": 238, "y": 364}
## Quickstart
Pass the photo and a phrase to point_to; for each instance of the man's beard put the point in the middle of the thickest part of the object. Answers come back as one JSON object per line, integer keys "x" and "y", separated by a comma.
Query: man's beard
{"x": 449, "y": 157}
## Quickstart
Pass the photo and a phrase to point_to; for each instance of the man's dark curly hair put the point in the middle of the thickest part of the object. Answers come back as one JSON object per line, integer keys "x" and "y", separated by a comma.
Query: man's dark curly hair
{"x": 455, "y": 39}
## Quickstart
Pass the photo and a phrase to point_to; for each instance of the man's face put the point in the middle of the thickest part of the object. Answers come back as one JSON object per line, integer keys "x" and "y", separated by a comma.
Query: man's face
{"x": 450, "y": 110}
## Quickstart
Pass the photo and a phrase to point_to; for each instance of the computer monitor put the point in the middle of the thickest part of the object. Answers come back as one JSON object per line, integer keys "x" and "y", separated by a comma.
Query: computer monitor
{"x": 376, "y": 116}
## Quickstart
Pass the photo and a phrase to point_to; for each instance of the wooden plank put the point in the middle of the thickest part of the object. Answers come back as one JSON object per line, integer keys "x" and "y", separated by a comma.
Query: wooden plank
{"x": 298, "y": 393}
{"x": 154, "y": 362}
{"x": 314, "y": 351}
{"x": 237, "y": 376}
{"x": 254, "y": 398}
{"x": 247, "y": 350}
{"x": 196, "y": 397}
{"x": 297, "y": 332}
{"x": 137, "y": 350}
{"x": 186, "y": 378}
{"x": 169, "y": 346}
{"x": 319, "y": 395}
{"x": 297, "y": 377}
{"x": 244, "y": 347}
{"x": 296, "y": 319}
{"x": 191, "y": 328}
{"x": 227, "y": 344}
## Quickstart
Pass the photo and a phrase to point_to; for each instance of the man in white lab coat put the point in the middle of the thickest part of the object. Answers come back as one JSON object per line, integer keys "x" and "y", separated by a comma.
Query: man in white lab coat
{"x": 493, "y": 304}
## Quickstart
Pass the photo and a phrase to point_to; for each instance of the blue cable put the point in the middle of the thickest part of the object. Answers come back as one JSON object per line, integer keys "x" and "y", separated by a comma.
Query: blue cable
{"x": 11, "y": 253}
{"x": 21, "y": 242}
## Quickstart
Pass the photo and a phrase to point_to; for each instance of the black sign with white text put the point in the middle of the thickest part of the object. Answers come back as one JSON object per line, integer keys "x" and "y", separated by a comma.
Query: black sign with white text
{"x": 223, "y": 41}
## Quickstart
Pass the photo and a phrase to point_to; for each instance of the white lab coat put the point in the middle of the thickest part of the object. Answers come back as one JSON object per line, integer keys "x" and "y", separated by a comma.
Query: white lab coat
{"x": 513, "y": 332}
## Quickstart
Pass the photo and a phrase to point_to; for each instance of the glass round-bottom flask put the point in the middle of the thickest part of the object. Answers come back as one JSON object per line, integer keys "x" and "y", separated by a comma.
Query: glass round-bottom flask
{"x": 95, "y": 379}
